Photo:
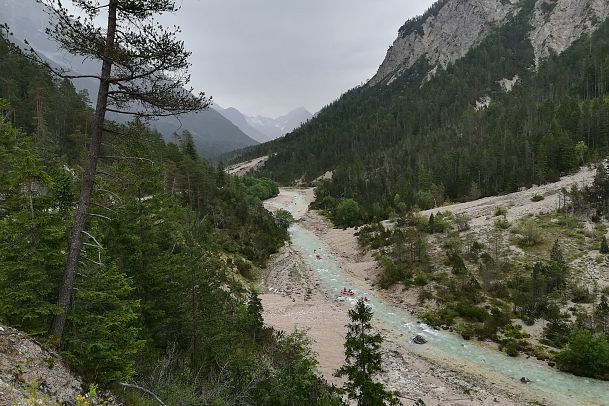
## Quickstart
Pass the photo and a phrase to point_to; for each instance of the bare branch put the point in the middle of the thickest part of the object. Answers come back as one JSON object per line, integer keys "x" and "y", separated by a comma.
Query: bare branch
{"x": 100, "y": 216}
{"x": 93, "y": 238}
{"x": 128, "y": 157}
{"x": 146, "y": 391}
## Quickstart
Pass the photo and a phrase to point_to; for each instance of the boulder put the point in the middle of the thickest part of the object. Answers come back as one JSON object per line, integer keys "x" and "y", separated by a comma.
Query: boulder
{"x": 419, "y": 339}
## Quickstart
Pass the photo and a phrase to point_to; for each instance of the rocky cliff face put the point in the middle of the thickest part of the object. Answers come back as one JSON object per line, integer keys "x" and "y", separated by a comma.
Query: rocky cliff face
{"x": 449, "y": 33}
{"x": 559, "y": 23}
{"x": 32, "y": 375}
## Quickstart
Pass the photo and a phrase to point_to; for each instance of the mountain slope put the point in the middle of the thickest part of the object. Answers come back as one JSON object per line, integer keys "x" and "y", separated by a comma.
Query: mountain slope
{"x": 486, "y": 122}
{"x": 213, "y": 134}
{"x": 238, "y": 119}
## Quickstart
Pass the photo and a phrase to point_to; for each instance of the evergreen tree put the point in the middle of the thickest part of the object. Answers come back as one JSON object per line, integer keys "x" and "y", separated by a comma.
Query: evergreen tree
{"x": 604, "y": 246}
{"x": 431, "y": 225}
{"x": 136, "y": 62}
{"x": 363, "y": 360}
{"x": 187, "y": 145}
{"x": 254, "y": 312}
{"x": 558, "y": 271}
{"x": 32, "y": 236}
{"x": 102, "y": 338}
{"x": 601, "y": 316}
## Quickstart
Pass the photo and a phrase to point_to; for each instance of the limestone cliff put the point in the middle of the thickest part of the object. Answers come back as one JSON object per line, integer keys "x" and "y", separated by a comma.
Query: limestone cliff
{"x": 453, "y": 27}
{"x": 558, "y": 23}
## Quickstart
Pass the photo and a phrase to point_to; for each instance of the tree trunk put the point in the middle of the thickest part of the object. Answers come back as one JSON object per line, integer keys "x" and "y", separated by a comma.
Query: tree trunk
{"x": 88, "y": 182}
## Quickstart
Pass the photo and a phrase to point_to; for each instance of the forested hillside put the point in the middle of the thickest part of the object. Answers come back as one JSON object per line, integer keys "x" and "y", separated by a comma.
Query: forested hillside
{"x": 161, "y": 295}
{"x": 420, "y": 140}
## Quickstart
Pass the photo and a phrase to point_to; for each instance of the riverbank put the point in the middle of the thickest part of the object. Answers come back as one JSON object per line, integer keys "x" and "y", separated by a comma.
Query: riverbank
{"x": 294, "y": 298}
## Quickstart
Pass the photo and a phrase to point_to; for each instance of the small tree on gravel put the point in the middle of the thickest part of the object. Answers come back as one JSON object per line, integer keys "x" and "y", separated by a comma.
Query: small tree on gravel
{"x": 604, "y": 246}
{"x": 363, "y": 360}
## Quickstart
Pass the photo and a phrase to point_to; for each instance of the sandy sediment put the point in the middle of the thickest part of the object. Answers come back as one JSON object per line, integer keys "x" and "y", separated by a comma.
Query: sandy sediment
{"x": 243, "y": 168}
{"x": 293, "y": 299}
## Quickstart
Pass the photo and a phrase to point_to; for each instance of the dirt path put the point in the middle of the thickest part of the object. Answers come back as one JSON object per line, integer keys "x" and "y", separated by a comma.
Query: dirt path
{"x": 294, "y": 299}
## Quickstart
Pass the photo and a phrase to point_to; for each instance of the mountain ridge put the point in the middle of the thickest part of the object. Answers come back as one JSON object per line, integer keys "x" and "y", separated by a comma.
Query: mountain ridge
{"x": 213, "y": 134}
{"x": 487, "y": 123}
{"x": 440, "y": 38}
{"x": 264, "y": 129}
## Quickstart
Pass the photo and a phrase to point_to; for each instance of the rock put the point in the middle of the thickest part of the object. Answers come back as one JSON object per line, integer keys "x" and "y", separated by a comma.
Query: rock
{"x": 551, "y": 364}
{"x": 524, "y": 379}
{"x": 442, "y": 39}
{"x": 419, "y": 339}
{"x": 555, "y": 29}
{"x": 419, "y": 402}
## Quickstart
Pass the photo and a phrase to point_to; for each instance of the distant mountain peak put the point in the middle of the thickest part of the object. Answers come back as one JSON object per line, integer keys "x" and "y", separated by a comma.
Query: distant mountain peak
{"x": 264, "y": 129}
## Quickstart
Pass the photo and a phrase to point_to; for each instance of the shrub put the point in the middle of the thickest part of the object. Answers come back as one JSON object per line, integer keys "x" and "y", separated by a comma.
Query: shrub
{"x": 471, "y": 312}
{"x": 347, "y": 213}
{"x": 510, "y": 347}
{"x": 442, "y": 316}
{"x": 500, "y": 211}
{"x": 530, "y": 235}
{"x": 587, "y": 354}
{"x": 420, "y": 279}
{"x": 244, "y": 268}
{"x": 502, "y": 224}
{"x": 537, "y": 198}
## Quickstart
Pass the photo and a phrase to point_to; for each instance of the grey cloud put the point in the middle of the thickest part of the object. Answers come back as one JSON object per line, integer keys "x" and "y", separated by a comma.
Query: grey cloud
{"x": 269, "y": 56}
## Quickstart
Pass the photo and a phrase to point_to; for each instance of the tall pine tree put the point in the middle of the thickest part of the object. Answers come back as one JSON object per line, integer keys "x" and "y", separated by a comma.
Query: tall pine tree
{"x": 363, "y": 360}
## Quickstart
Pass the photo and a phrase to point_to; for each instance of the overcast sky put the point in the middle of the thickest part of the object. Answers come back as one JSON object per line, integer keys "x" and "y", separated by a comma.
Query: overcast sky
{"x": 269, "y": 56}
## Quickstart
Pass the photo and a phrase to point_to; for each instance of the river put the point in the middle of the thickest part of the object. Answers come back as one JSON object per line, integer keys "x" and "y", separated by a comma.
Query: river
{"x": 547, "y": 384}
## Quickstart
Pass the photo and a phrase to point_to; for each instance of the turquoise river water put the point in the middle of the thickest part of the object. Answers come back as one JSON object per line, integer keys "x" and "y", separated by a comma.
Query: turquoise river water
{"x": 547, "y": 383}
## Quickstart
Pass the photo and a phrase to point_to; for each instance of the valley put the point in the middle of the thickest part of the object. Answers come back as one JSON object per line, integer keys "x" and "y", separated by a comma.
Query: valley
{"x": 434, "y": 235}
{"x": 301, "y": 291}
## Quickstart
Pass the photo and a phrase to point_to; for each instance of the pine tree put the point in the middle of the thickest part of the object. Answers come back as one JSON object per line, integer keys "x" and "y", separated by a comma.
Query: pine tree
{"x": 102, "y": 337}
{"x": 558, "y": 270}
{"x": 32, "y": 236}
{"x": 604, "y": 246}
{"x": 187, "y": 145}
{"x": 601, "y": 316}
{"x": 254, "y": 312}
{"x": 143, "y": 73}
{"x": 363, "y": 360}
{"x": 431, "y": 225}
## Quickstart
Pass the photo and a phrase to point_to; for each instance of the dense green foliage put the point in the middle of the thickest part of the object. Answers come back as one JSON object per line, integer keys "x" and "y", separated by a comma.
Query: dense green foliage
{"x": 32, "y": 235}
{"x": 159, "y": 296}
{"x": 363, "y": 360}
{"x": 427, "y": 143}
{"x": 587, "y": 354}
{"x": 480, "y": 291}
{"x": 262, "y": 188}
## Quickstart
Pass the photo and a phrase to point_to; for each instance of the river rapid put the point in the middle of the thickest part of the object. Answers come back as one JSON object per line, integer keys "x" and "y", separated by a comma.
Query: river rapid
{"x": 547, "y": 385}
